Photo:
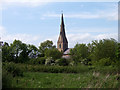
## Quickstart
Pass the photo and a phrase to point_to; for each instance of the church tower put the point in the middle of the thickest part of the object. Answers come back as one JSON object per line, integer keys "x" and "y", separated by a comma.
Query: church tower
{"x": 62, "y": 43}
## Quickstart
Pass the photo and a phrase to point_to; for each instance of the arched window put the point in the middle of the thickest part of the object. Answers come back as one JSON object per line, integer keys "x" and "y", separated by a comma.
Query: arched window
{"x": 59, "y": 45}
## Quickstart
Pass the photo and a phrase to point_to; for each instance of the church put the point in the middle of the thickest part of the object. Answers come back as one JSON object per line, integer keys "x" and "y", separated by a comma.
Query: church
{"x": 62, "y": 43}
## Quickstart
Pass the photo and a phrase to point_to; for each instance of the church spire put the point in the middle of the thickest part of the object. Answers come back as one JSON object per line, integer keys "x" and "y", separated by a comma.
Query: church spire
{"x": 62, "y": 25}
{"x": 62, "y": 43}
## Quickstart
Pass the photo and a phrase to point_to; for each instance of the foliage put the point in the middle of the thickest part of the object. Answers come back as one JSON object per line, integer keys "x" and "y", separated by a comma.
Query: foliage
{"x": 39, "y": 60}
{"x": 33, "y": 51}
{"x": 62, "y": 80}
{"x": 54, "y": 53}
{"x": 105, "y": 48}
{"x": 13, "y": 69}
{"x": 49, "y": 61}
{"x": 16, "y": 52}
{"x": 79, "y": 52}
{"x": 6, "y": 79}
{"x": 62, "y": 62}
{"x": 85, "y": 77}
{"x": 45, "y": 45}
{"x": 118, "y": 52}
{"x": 20, "y": 51}
{"x": 7, "y": 56}
{"x": 103, "y": 62}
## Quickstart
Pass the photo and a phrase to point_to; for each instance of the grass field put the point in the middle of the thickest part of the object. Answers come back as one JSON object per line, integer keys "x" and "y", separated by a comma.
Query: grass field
{"x": 65, "y": 80}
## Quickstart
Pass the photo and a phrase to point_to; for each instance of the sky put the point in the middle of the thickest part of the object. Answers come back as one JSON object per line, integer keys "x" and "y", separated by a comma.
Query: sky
{"x": 35, "y": 22}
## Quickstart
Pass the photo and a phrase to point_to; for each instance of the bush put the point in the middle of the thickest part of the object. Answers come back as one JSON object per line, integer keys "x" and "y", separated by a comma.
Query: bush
{"x": 102, "y": 62}
{"x": 62, "y": 62}
{"x": 42, "y": 60}
{"x": 54, "y": 53}
{"x": 13, "y": 69}
{"x": 39, "y": 60}
{"x": 49, "y": 61}
{"x": 6, "y": 79}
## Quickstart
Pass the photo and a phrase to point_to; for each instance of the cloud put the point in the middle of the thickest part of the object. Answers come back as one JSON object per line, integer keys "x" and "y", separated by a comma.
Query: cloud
{"x": 109, "y": 15}
{"x": 73, "y": 39}
{"x": 31, "y": 3}
{"x": 34, "y": 3}
{"x": 91, "y": 30}
{"x": 26, "y": 38}
{"x": 87, "y": 38}
{"x": 106, "y": 36}
{"x": 37, "y": 1}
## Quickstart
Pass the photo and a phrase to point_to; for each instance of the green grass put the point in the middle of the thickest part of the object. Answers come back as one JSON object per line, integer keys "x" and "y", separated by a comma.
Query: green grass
{"x": 63, "y": 80}
{"x": 40, "y": 76}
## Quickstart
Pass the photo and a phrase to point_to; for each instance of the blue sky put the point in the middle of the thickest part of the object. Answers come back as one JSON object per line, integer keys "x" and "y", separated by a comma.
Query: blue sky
{"x": 34, "y": 23}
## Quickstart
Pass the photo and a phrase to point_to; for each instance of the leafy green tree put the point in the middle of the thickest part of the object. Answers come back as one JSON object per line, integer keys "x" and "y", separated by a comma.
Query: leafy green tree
{"x": 45, "y": 45}
{"x": 19, "y": 51}
{"x": 62, "y": 62}
{"x": 54, "y": 53}
{"x": 118, "y": 52}
{"x": 105, "y": 48}
{"x": 33, "y": 51}
{"x": 6, "y": 55}
{"x": 79, "y": 52}
{"x": 23, "y": 56}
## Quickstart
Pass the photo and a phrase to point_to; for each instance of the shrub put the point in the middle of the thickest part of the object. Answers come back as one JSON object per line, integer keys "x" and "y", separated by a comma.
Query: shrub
{"x": 39, "y": 60}
{"x": 54, "y": 53}
{"x": 13, "y": 69}
{"x": 102, "y": 62}
{"x": 49, "y": 61}
{"x": 105, "y": 62}
{"x": 6, "y": 79}
{"x": 62, "y": 62}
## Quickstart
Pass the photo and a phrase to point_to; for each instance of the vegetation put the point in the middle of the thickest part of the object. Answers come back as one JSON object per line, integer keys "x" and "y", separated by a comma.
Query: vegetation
{"x": 93, "y": 65}
{"x": 62, "y": 80}
{"x": 81, "y": 76}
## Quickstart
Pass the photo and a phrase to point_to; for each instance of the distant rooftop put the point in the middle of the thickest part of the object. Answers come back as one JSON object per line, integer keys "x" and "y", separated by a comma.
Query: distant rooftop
{"x": 67, "y": 51}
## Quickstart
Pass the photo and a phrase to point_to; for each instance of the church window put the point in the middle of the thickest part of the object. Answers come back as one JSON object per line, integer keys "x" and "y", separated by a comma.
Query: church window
{"x": 59, "y": 45}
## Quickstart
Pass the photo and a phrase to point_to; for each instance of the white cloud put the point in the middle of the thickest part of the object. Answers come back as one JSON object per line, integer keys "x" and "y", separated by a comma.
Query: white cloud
{"x": 31, "y": 3}
{"x": 106, "y": 36}
{"x": 87, "y": 38}
{"x": 73, "y": 39}
{"x": 91, "y": 30}
{"x": 26, "y": 38}
{"x": 37, "y": 1}
{"x": 113, "y": 15}
{"x": 34, "y": 3}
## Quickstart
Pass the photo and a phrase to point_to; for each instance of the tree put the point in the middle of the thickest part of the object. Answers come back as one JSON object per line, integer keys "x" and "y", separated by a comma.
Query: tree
{"x": 45, "y": 45}
{"x": 19, "y": 51}
{"x": 118, "y": 52}
{"x": 33, "y": 51}
{"x": 54, "y": 53}
{"x": 105, "y": 48}
{"x": 79, "y": 52}
{"x": 6, "y": 52}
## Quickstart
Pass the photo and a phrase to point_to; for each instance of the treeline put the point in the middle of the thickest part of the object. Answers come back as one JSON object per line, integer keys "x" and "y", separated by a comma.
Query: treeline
{"x": 103, "y": 52}
{"x": 19, "y": 52}
{"x": 99, "y": 56}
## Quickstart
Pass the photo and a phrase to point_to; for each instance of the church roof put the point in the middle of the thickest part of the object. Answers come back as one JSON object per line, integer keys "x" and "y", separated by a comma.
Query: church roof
{"x": 62, "y": 37}
{"x": 67, "y": 51}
